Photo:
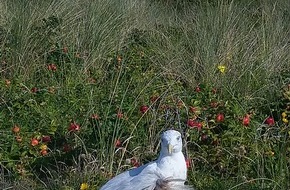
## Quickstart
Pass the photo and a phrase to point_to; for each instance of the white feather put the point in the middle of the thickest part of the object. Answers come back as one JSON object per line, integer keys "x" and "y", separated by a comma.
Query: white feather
{"x": 168, "y": 172}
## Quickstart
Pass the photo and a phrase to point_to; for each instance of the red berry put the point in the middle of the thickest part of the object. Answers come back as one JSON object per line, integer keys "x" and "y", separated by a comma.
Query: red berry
{"x": 34, "y": 90}
{"x": 144, "y": 109}
{"x": 34, "y": 142}
{"x": 45, "y": 139}
{"x": 77, "y": 127}
{"x": 191, "y": 123}
{"x": 118, "y": 143}
{"x": 199, "y": 125}
{"x": 220, "y": 118}
{"x": 194, "y": 124}
{"x": 134, "y": 162}
{"x": 246, "y": 120}
{"x": 74, "y": 127}
{"x": 270, "y": 121}
{"x": 43, "y": 152}
{"x": 18, "y": 139}
{"x": 16, "y": 129}
{"x": 197, "y": 89}
{"x": 119, "y": 114}
{"x": 136, "y": 165}
{"x": 51, "y": 67}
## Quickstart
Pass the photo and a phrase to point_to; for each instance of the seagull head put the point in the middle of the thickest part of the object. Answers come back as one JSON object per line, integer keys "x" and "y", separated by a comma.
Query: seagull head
{"x": 171, "y": 142}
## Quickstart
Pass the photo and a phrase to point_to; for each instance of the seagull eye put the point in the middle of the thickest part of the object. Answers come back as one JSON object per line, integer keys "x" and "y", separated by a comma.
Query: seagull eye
{"x": 178, "y": 138}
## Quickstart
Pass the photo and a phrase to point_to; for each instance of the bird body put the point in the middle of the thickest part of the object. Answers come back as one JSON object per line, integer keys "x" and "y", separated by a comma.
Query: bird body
{"x": 169, "y": 170}
{"x": 172, "y": 166}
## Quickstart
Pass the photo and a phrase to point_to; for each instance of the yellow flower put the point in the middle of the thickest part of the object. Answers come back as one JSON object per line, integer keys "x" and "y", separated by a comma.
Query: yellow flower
{"x": 285, "y": 120}
{"x": 84, "y": 186}
{"x": 222, "y": 68}
{"x": 284, "y": 114}
{"x": 271, "y": 153}
{"x": 43, "y": 147}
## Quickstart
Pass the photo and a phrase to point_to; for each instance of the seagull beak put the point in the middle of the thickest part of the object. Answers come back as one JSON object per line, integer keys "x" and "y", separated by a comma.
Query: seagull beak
{"x": 170, "y": 148}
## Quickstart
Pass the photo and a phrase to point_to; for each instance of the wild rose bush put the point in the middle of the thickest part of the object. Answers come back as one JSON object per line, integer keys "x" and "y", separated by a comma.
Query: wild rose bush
{"x": 50, "y": 123}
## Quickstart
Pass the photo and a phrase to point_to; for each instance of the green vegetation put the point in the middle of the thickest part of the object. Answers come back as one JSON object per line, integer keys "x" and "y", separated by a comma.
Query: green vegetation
{"x": 88, "y": 86}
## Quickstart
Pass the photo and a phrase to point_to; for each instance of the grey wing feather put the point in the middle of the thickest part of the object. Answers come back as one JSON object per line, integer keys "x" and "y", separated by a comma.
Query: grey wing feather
{"x": 142, "y": 178}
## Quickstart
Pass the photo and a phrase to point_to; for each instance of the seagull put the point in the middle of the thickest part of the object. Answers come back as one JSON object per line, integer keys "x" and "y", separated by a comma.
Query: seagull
{"x": 168, "y": 172}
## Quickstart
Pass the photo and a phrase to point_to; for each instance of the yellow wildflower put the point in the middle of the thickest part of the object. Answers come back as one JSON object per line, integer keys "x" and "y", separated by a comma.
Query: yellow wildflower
{"x": 43, "y": 147}
{"x": 284, "y": 114}
{"x": 285, "y": 120}
{"x": 222, "y": 68}
{"x": 271, "y": 153}
{"x": 84, "y": 186}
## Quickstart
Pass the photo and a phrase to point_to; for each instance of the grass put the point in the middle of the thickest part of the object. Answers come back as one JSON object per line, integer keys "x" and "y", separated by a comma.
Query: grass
{"x": 111, "y": 57}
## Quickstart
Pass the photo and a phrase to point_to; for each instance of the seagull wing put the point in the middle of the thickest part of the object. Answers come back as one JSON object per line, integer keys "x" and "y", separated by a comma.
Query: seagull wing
{"x": 142, "y": 178}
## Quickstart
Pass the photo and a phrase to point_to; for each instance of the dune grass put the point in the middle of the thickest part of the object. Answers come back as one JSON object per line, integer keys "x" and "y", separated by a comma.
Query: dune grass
{"x": 92, "y": 64}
